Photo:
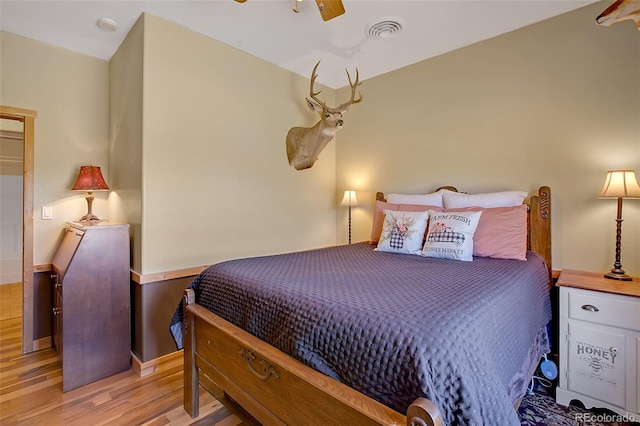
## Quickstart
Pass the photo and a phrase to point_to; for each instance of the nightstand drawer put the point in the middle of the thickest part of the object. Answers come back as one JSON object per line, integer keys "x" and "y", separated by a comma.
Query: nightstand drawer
{"x": 605, "y": 309}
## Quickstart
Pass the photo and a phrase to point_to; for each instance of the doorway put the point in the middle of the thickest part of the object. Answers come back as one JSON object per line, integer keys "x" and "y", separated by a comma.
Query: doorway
{"x": 11, "y": 189}
{"x": 27, "y": 118}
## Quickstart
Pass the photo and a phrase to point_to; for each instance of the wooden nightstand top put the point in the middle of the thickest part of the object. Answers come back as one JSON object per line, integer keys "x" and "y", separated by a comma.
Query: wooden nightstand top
{"x": 597, "y": 282}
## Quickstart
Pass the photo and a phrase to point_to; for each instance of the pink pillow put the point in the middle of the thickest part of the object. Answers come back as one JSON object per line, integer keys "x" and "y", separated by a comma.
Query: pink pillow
{"x": 501, "y": 232}
{"x": 378, "y": 215}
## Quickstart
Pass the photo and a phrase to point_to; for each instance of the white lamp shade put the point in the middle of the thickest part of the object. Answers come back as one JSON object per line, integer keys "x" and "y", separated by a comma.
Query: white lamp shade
{"x": 349, "y": 198}
{"x": 620, "y": 184}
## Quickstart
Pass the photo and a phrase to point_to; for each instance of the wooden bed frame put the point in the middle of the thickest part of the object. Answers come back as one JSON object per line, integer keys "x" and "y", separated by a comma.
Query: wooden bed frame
{"x": 277, "y": 389}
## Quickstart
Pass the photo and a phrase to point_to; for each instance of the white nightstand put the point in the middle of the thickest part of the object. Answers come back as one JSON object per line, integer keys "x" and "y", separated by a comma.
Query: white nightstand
{"x": 599, "y": 342}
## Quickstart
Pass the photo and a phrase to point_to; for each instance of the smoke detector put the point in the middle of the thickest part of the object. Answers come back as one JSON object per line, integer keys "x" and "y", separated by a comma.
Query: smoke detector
{"x": 107, "y": 24}
{"x": 384, "y": 28}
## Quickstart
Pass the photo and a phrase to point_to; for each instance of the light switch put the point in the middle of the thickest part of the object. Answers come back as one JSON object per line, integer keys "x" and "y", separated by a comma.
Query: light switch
{"x": 47, "y": 212}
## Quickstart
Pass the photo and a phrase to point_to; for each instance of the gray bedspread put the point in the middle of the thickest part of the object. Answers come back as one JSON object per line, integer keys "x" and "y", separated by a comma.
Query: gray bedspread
{"x": 466, "y": 335}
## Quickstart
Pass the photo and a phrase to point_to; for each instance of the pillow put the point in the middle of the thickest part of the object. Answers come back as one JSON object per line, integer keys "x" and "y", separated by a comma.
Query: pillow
{"x": 501, "y": 232}
{"x": 378, "y": 215}
{"x": 450, "y": 235}
{"x": 403, "y": 232}
{"x": 456, "y": 200}
{"x": 433, "y": 199}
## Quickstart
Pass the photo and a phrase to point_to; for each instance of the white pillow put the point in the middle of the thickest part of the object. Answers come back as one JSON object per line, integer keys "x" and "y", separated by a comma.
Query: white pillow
{"x": 403, "y": 231}
{"x": 450, "y": 235}
{"x": 456, "y": 200}
{"x": 433, "y": 199}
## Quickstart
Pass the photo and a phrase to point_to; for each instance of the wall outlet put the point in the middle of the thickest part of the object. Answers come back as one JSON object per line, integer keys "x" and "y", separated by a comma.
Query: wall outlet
{"x": 47, "y": 213}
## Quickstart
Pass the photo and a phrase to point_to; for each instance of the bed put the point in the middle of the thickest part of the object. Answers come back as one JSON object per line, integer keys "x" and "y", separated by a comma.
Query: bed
{"x": 354, "y": 335}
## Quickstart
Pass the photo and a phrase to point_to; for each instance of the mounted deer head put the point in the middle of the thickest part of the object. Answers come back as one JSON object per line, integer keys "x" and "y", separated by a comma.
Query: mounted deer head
{"x": 304, "y": 144}
{"x": 620, "y": 10}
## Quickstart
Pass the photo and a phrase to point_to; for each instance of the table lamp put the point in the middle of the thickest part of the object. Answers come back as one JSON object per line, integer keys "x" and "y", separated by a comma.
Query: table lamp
{"x": 619, "y": 184}
{"x": 349, "y": 199}
{"x": 90, "y": 179}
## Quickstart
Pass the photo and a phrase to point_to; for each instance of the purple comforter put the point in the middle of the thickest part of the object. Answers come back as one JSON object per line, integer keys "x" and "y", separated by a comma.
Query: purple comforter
{"x": 466, "y": 335}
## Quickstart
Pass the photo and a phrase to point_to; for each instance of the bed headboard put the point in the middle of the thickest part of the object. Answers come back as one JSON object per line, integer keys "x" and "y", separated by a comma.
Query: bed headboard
{"x": 538, "y": 221}
{"x": 539, "y": 224}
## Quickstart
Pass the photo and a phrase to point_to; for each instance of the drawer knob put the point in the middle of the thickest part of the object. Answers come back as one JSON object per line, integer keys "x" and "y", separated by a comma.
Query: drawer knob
{"x": 590, "y": 308}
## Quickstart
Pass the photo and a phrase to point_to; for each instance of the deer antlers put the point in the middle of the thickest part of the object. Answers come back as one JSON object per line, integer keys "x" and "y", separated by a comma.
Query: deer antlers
{"x": 313, "y": 95}
{"x": 353, "y": 90}
{"x": 304, "y": 144}
{"x": 342, "y": 107}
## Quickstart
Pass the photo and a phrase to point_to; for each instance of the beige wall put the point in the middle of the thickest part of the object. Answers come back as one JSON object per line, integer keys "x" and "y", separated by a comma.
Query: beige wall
{"x": 217, "y": 183}
{"x": 125, "y": 137}
{"x": 556, "y": 103}
{"x": 70, "y": 93}
{"x": 214, "y": 175}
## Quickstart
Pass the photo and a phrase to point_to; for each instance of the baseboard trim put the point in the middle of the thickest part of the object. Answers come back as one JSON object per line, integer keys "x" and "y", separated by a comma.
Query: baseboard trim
{"x": 42, "y": 343}
{"x": 143, "y": 369}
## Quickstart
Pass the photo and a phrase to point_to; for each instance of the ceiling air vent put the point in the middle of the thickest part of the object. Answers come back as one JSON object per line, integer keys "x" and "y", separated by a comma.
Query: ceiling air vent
{"x": 384, "y": 28}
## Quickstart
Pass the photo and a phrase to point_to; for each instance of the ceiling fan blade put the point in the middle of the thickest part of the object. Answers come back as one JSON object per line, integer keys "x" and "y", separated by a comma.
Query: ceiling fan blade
{"x": 241, "y": 1}
{"x": 329, "y": 9}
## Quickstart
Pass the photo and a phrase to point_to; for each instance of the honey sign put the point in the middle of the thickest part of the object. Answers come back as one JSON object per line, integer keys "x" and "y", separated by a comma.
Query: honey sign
{"x": 597, "y": 363}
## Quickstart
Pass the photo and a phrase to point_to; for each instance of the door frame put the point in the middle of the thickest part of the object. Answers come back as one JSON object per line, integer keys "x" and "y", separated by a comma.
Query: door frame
{"x": 27, "y": 117}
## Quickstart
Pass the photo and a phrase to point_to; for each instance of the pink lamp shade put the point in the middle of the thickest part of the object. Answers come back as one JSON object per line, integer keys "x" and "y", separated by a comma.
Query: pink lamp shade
{"x": 90, "y": 179}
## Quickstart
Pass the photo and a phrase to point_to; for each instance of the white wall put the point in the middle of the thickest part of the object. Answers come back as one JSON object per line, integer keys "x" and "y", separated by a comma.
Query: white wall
{"x": 11, "y": 229}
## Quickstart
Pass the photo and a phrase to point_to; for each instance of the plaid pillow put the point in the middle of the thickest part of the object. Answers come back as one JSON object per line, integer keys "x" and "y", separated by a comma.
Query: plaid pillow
{"x": 403, "y": 231}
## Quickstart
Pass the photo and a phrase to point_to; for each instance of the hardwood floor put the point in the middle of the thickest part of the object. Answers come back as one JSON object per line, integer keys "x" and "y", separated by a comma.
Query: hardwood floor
{"x": 31, "y": 393}
{"x": 10, "y": 301}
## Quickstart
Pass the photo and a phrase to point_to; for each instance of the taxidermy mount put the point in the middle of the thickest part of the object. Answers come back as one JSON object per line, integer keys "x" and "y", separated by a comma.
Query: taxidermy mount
{"x": 620, "y": 10}
{"x": 304, "y": 144}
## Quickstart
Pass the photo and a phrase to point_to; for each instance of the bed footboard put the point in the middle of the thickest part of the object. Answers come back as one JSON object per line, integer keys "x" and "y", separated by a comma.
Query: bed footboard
{"x": 272, "y": 386}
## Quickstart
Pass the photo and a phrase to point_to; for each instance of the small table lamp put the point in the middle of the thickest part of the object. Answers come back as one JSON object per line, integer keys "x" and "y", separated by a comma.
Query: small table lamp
{"x": 619, "y": 184}
{"x": 90, "y": 179}
{"x": 349, "y": 199}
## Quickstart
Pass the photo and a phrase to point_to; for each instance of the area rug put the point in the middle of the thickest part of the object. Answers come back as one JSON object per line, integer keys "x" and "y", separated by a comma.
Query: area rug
{"x": 540, "y": 409}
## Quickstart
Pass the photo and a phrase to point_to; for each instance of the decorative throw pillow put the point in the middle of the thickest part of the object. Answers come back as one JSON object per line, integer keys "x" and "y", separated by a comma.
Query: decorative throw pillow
{"x": 450, "y": 235}
{"x": 501, "y": 232}
{"x": 378, "y": 215}
{"x": 432, "y": 199}
{"x": 455, "y": 200}
{"x": 403, "y": 232}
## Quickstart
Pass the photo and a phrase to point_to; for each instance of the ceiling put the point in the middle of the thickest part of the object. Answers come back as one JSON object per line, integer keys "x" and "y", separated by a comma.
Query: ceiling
{"x": 271, "y": 30}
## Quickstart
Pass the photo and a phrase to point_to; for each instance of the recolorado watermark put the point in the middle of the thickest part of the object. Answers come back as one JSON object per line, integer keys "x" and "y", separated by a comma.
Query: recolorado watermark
{"x": 604, "y": 418}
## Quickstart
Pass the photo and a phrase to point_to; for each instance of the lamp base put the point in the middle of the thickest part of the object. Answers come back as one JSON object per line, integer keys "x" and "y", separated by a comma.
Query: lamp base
{"x": 617, "y": 274}
{"x": 89, "y": 218}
